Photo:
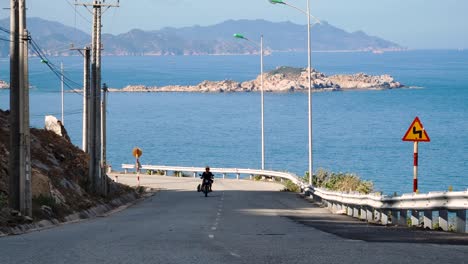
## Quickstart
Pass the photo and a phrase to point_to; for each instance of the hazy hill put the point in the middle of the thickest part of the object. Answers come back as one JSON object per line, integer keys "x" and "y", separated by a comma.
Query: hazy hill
{"x": 56, "y": 38}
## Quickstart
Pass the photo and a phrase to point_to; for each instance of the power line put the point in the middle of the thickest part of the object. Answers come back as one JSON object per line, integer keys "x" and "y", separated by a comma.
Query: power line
{"x": 78, "y": 13}
{"x": 4, "y": 39}
{"x": 67, "y": 81}
{"x": 54, "y": 68}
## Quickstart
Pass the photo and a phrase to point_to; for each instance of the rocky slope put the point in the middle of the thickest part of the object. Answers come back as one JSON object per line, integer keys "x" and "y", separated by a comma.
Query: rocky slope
{"x": 283, "y": 79}
{"x": 59, "y": 177}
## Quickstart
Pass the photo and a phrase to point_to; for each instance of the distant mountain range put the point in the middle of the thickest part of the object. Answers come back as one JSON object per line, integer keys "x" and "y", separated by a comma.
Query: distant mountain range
{"x": 55, "y": 39}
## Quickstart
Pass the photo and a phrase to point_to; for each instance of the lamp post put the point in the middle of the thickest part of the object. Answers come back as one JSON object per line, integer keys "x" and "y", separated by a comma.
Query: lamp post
{"x": 309, "y": 69}
{"x": 239, "y": 36}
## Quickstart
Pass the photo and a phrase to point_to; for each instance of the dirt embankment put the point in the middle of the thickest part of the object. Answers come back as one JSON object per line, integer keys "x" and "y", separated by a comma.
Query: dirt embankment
{"x": 59, "y": 177}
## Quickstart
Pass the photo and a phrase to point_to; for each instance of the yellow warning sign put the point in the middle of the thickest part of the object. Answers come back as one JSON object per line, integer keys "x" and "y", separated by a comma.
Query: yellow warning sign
{"x": 416, "y": 132}
{"x": 137, "y": 152}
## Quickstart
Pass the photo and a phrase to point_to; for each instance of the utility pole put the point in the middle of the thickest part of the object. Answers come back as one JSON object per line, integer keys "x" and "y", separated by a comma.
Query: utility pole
{"x": 97, "y": 85}
{"x": 104, "y": 135}
{"x": 20, "y": 153}
{"x": 97, "y": 173}
{"x": 14, "y": 162}
{"x": 25, "y": 129}
{"x": 86, "y": 53}
{"x": 86, "y": 91}
{"x": 62, "y": 89}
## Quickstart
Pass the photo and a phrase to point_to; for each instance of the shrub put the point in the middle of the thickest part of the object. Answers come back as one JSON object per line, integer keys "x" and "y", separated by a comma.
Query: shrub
{"x": 257, "y": 177}
{"x": 180, "y": 174}
{"x": 343, "y": 182}
{"x": 289, "y": 186}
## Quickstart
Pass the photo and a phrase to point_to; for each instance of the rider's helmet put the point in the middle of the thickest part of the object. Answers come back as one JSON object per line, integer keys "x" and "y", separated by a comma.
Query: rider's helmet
{"x": 207, "y": 168}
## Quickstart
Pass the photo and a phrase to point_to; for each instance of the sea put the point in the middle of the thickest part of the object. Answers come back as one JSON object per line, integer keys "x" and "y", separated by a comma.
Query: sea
{"x": 356, "y": 132}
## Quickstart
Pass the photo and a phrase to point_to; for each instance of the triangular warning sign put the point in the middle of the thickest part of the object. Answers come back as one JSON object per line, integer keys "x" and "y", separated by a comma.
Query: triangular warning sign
{"x": 416, "y": 132}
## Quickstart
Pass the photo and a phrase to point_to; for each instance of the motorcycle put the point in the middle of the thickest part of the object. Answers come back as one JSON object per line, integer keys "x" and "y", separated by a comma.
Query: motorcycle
{"x": 205, "y": 187}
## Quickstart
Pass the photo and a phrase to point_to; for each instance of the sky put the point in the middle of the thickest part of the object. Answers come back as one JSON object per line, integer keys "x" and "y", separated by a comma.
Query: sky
{"x": 416, "y": 24}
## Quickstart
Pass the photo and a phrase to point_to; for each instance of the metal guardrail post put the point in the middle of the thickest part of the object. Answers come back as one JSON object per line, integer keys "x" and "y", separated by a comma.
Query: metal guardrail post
{"x": 194, "y": 174}
{"x": 224, "y": 175}
{"x": 370, "y": 214}
{"x": 356, "y": 212}
{"x": 363, "y": 213}
{"x": 443, "y": 220}
{"x": 460, "y": 222}
{"x": 414, "y": 218}
{"x": 394, "y": 217}
{"x": 384, "y": 219}
{"x": 349, "y": 210}
{"x": 377, "y": 215}
{"x": 427, "y": 219}
{"x": 403, "y": 218}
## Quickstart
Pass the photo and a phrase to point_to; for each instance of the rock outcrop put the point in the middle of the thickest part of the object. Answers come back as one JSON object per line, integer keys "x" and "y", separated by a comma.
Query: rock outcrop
{"x": 56, "y": 126}
{"x": 4, "y": 85}
{"x": 283, "y": 79}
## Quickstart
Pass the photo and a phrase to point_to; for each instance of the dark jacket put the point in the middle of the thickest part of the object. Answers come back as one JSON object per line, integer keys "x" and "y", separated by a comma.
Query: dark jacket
{"x": 207, "y": 175}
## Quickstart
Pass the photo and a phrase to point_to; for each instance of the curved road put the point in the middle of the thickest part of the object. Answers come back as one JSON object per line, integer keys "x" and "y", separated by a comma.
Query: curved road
{"x": 240, "y": 222}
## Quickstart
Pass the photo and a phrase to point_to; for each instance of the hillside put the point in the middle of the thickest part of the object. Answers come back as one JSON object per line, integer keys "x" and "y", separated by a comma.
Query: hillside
{"x": 59, "y": 177}
{"x": 55, "y": 39}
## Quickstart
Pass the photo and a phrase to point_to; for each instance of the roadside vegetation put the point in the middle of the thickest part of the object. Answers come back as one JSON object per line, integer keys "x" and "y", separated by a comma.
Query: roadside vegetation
{"x": 341, "y": 182}
{"x": 290, "y": 186}
{"x": 333, "y": 181}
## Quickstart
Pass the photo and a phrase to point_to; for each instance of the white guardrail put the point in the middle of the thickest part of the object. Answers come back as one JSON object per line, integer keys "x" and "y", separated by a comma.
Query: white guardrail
{"x": 224, "y": 171}
{"x": 432, "y": 210}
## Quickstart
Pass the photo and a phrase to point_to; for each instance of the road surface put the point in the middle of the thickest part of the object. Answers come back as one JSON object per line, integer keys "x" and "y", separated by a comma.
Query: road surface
{"x": 240, "y": 222}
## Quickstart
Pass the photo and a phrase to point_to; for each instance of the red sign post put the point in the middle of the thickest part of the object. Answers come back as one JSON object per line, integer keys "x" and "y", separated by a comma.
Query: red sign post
{"x": 416, "y": 133}
{"x": 137, "y": 152}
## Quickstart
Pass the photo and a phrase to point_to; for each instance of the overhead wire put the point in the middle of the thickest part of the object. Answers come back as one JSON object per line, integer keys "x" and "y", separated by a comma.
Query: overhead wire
{"x": 38, "y": 51}
{"x": 78, "y": 13}
{"x": 54, "y": 68}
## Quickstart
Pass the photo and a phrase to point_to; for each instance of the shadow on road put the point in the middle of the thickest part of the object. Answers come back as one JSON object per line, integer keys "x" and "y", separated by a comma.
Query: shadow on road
{"x": 294, "y": 208}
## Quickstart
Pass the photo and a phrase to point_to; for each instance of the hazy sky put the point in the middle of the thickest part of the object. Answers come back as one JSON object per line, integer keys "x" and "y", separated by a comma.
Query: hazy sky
{"x": 411, "y": 23}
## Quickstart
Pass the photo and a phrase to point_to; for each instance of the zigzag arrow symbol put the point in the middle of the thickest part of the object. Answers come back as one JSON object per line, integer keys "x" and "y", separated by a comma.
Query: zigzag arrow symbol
{"x": 419, "y": 132}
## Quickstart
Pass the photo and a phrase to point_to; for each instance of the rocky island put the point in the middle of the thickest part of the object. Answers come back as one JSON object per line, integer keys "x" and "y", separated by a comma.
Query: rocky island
{"x": 4, "y": 85}
{"x": 282, "y": 79}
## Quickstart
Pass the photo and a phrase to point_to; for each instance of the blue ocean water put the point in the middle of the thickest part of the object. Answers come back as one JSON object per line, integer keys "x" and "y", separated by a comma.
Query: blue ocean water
{"x": 355, "y": 131}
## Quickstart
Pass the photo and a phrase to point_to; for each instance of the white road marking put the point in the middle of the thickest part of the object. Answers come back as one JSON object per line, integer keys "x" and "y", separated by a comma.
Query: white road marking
{"x": 235, "y": 255}
{"x": 213, "y": 228}
{"x": 211, "y": 236}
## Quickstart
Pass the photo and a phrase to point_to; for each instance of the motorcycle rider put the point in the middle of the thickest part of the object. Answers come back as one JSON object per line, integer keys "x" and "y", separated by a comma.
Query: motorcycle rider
{"x": 208, "y": 176}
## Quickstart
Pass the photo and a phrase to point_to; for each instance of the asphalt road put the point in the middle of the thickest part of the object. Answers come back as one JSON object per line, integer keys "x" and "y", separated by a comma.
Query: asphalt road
{"x": 240, "y": 222}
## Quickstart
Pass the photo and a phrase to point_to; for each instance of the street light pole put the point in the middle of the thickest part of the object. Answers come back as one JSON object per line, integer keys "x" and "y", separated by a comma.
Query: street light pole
{"x": 261, "y": 92}
{"x": 309, "y": 68}
{"x": 309, "y": 71}
{"x": 262, "y": 103}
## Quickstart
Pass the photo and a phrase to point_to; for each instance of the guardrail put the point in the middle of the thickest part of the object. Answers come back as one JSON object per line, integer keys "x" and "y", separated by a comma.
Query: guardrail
{"x": 432, "y": 210}
{"x": 224, "y": 171}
